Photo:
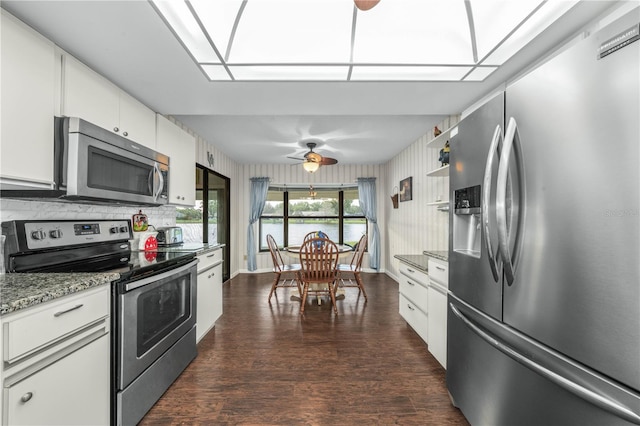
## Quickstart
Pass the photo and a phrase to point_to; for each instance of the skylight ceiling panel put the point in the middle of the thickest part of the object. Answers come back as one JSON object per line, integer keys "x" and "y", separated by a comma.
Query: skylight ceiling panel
{"x": 534, "y": 26}
{"x": 294, "y": 31}
{"x": 218, "y": 18}
{"x": 414, "y": 32}
{"x": 494, "y": 20}
{"x": 184, "y": 24}
{"x": 408, "y": 73}
{"x": 289, "y": 72}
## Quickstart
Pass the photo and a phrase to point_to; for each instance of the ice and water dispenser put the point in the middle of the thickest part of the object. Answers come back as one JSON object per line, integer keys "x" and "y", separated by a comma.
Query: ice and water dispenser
{"x": 467, "y": 220}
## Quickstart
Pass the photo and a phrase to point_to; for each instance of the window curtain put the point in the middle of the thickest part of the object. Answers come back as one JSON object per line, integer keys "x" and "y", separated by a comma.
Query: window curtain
{"x": 367, "y": 197}
{"x": 258, "y": 198}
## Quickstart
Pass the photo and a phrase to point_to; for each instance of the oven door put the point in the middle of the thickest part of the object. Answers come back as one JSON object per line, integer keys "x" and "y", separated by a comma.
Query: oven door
{"x": 96, "y": 169}
{"x": 153, "y": 314}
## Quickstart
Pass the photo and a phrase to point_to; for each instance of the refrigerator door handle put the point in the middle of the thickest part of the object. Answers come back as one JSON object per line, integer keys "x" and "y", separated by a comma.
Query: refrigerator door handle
{"x": 511, "y": 142}
{"x": 486, "y": 198}
{"x": 602, "y": 401}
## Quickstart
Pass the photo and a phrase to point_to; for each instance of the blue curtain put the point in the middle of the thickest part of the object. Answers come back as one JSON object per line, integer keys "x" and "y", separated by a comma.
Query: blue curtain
{"x": 258, "y": 197}
{"x": 367, "y": 197}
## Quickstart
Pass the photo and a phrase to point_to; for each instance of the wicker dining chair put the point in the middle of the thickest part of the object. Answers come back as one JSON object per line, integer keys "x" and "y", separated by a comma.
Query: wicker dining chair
{"x": 284, "y": 275}
{"x": 319, "y": 261}
{"x": 349, "y": 273}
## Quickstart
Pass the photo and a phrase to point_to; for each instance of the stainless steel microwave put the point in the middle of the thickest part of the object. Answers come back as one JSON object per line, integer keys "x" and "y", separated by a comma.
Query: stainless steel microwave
{"x": 92, "y": 163}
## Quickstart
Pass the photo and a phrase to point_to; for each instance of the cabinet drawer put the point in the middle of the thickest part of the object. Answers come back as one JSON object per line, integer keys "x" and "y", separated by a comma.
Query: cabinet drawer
{"x": 414, "y": 316}
{"x": 439, "y": 272}
{"x": 414, "y": 274}
{"x": 209, "y": 259}
{"x": 415, "y": 292}
{"x": 51, "y": 321}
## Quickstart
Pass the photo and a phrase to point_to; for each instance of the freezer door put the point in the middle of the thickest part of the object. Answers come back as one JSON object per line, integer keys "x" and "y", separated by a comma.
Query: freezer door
{"x": 497, "y": 376}
{"x": 576, "y": 287}
{"x": 474, "y": 273}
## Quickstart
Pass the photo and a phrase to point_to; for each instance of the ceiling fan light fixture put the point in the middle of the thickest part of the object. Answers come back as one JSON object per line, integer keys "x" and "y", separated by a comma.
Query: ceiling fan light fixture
{"x": 310, "y": 166}
{"x": 312, "y": 156}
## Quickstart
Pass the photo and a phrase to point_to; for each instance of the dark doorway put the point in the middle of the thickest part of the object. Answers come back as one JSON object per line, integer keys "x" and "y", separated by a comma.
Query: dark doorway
{"x": 208, "y": 221}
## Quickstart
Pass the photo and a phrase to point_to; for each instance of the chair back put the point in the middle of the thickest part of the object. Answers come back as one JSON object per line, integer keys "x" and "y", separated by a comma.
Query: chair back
{"x": 319, "y": 260}
{"x": 276, "y": 257}
{"x": 361, "y": 247}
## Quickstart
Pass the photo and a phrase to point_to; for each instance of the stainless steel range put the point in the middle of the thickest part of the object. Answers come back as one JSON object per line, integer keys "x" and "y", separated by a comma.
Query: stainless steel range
{"x": 153, "y": 310}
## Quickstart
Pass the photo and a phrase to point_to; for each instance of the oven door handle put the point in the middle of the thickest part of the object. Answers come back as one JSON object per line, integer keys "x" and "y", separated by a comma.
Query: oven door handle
{"x": 155, "y": 278}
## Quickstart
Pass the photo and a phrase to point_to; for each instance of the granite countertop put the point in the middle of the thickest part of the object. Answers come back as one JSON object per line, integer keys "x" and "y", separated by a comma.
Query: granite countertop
{"x": 437, "y": 254}
{"x": 418, "y": 261}
{"x": 20, "y": 291}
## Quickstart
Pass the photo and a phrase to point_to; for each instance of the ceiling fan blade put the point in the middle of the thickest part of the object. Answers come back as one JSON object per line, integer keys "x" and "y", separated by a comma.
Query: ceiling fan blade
{"x": 296, "y": 158}
{"x": 326, "y": 161}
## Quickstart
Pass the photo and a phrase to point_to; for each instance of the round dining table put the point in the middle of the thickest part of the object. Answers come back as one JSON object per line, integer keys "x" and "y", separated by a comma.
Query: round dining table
{"x": 294, "y": 253}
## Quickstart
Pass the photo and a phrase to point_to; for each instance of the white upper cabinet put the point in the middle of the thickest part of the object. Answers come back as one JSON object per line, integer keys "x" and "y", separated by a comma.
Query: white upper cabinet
{"x": 28, "y": 100}
{"x": 88, "y": 95}
{"x": 180, "y": 146}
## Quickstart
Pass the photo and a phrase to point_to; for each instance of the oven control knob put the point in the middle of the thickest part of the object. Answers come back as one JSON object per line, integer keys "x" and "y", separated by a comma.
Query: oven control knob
{"x": 124, "y": 229}
{"x": 38, "y": 235}
{"x": 113, "y": 230}
{"x": 55, "y": 233}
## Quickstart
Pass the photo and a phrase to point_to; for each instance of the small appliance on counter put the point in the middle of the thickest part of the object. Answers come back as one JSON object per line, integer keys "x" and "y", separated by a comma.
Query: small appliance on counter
{"x": 169, "y": 236}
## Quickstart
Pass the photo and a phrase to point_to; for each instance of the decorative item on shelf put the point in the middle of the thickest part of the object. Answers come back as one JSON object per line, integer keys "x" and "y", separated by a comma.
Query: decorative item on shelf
{"x": 406, "y": 189}
{"x": 312, "y": 193}
{"x": 436, "y": 131}
{"x": 140, "y": 222}
{"x": 394, "y": 197}
{"x": 444, "y": 154}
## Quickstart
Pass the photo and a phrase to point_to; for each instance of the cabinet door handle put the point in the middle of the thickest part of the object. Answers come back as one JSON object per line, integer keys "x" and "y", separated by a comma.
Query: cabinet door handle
{"x": 410, "y": 270}
{"x": 125, "y": 133}
{"x": 211, "y": 255}
{"x": 115, "y": 129}
{"x": 410, "y": 283}
{"x": 410, "y": 307}
{"x": 211, "y": 275}
{"x": 440, "y": 268}
{"x": 57, "y": 314}
{"x": 26, "y": 397}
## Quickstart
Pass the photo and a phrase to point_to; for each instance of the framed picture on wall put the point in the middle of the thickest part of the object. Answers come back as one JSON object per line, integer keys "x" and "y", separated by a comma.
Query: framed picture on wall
{"x": 406, "y": 189}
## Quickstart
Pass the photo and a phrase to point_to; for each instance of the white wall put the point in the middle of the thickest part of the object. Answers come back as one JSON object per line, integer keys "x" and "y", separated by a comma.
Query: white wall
{"x": 414, "y": 226}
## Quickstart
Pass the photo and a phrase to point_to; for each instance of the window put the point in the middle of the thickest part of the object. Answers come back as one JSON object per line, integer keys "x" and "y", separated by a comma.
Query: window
{"x": 334, "y": 211}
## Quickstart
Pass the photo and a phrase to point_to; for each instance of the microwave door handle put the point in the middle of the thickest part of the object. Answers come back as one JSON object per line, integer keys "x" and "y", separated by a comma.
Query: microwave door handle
{"x": 150, "y": 180}
{"x": 160, "y": 183}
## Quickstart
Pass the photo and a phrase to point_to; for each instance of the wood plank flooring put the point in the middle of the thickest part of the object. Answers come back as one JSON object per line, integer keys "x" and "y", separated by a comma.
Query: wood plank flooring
{"x": 265, "y": 364}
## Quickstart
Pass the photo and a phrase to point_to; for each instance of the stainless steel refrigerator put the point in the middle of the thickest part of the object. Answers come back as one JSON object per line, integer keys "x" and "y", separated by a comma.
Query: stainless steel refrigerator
{"x": 544, "y": 261}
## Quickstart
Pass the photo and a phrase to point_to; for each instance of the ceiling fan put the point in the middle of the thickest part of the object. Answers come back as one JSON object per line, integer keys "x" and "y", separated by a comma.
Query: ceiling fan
{"x": 312, "y": 160}
{"x": 365, "y": 4}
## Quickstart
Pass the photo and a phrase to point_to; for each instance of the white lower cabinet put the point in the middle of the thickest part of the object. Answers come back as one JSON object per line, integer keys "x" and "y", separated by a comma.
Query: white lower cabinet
{"x": 438, "y": 289}
{"x": 209, "y": 305}
{"x": 58, "y": 372}
{"x": 413, "y": 299}
{"x": 71, "y": 391}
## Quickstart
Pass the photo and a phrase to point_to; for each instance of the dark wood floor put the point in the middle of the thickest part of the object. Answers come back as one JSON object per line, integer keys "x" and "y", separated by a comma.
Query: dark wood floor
{"x": 264, "y": 364}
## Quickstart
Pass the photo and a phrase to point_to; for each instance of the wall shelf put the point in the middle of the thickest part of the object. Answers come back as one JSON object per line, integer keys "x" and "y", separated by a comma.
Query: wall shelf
{"x": 442, "y": 171}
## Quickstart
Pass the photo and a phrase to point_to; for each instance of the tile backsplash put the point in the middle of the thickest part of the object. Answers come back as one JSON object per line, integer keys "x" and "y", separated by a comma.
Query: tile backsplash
{"x": 15, "y": 209}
